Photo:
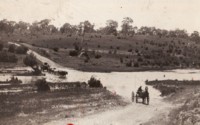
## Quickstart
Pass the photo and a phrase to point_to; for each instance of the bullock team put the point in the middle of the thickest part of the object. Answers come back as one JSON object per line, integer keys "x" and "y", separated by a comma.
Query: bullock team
{"x": 46, "y": 67}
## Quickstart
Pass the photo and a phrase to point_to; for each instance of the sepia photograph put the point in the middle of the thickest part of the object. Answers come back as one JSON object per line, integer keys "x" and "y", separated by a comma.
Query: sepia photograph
{"x": 99, "y": 62}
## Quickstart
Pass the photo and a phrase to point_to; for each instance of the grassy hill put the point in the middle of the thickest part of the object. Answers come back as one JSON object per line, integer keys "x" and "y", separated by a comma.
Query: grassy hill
{"x": 115, "y": 53}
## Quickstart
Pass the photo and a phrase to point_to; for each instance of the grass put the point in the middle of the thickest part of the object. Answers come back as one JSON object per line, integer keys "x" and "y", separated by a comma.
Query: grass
{"x": 142, "y": 52}
{"x": 28, "y": 106}
{"x": 185, "y": 101}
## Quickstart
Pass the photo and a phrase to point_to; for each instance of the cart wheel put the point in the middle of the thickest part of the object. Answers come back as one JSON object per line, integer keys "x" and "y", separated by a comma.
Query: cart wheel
{"x": 133, "y": 95}
{"x": 136, "y": 99}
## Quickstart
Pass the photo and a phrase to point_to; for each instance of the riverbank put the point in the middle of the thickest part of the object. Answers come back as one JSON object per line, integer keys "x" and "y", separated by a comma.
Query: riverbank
{"x": 184, "y": 96}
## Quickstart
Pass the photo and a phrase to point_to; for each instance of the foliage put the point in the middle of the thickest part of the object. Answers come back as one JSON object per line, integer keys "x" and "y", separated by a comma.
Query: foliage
{"x": 42, "y": 85}
{"x": 30, "y": 60}
{"x": 97, "y": 56}
{"x": 77, "y": 46}
{"x": 8, "y": 57}
{"x": 129, "y": 64}
{"x": 21, "y": 50}
{"x": 11, "y": 48}
{"x": 86, "y": 27}
{"x": 126, "y": 25}
{"x": 56, "y": 49}
{"x": 44, "y": 53}
{"x": 94, "y": 83}
{"x": 73, "y": 53}
{"x": 1, "y": 46}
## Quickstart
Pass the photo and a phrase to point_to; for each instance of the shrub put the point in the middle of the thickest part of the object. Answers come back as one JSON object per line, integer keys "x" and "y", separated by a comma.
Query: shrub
{"x": 136, "y": 64}
{"x": 109, "y": 52}
{"x": 42, "y": 85}
{"x": 94, "y": 83}
{"x": 130, "y": 50}
{"x": 1, "y": 46}
{"x": 129, "y": 64}
{"x": 77, "y": 46}
{"x": 8, "y": 57}
{"x": 140, "y": 59}
{"x": 44, "y": 53}
{"x": 56, "y": 49}
{"x": 73, "y": 53}
{"x": 121, "y": 60}
{"x": 11, "y": 48}
{"x": 15, "y": 80}
{"x": 97, "y": 56}
{"x": 21, "y": 50}
{"x": 30, "y": 60}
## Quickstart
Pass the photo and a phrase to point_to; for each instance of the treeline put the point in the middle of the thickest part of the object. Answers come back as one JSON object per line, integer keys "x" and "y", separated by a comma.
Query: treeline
{"x": 127, "y": 29}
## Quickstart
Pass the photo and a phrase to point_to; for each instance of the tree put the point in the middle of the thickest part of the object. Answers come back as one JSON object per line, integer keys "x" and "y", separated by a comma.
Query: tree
{"x": 126, "y": 25}
{"x": 85, "y": 27}
{"x": 111, "y": 27}
{"x": 52, "y": 29}
{"x": 30, "y": 60}
{"x": 7, "y": 26}
{"x": 66, "y": 28}
{"x": 181, "y": 33}
{"x": 195, "y": 36}
{"x": 22, "y": 26}
{"x": 42, "y": 26}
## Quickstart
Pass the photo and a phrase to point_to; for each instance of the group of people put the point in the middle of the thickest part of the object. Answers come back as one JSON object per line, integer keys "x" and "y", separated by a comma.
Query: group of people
{"x": 140, "y": 90}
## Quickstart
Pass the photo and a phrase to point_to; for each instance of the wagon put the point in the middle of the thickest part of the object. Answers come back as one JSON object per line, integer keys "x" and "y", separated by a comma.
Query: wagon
{"x": 144, "y": 95}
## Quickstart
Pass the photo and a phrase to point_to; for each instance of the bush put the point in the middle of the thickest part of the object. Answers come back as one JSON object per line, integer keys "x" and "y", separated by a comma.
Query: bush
{"x": 140, "y": 59}
{"x": 1, "y": 46}
{"x": 73, "y": 53}
{"x": 97, "y": 56}
{"x": 118, "y": 48}
{"x": 136, "y": 64}
{"x": 30, "y": 60}
{"x": 42, "y": 85}
{"x": 129, "y": 64}
{"x": 77, "y": 46}
{"x": 56, "y": 49}
{"x": 44, "y": 53}
{"x": 15, "y": 80}
{"x": 21, "y": 50}
{"x": 121, "y": 60}
{"x": 130, "y": 50}
{"x": 8, "y": 57}
{"x": 11, "y": 48}
{"x": 94, "y": 83}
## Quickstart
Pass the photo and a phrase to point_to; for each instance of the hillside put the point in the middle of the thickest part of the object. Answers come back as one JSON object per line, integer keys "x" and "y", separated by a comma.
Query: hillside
{"x": 113, "y": 53}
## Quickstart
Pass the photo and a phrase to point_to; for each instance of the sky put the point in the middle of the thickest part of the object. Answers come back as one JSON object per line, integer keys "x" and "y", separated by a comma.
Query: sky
{"x": 164, "y": 14}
